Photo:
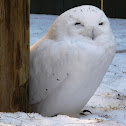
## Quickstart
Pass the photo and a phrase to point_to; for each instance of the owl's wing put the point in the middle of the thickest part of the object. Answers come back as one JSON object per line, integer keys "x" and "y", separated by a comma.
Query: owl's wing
{"x": 46, "y": 71}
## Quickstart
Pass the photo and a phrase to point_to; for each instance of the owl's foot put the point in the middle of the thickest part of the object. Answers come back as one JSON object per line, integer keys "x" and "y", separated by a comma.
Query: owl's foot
{"x": 84, "y": 111}
{"x": 54, "y": 115}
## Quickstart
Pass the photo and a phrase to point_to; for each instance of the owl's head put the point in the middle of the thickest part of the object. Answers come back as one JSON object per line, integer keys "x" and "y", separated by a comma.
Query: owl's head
{"x": 85, "y": 21}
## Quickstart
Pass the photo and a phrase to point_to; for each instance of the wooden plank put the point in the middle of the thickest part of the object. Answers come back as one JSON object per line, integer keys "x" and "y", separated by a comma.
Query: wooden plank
{"x": 112, "y": 8}
{"x": 67, "y": 4}
{"x": 14, "y": 55}
{"x": 102, "y": 5}
{"x": 96, "y": 3}
{"x": 59, "y": 7}
{"x": 115, "y": 8}
{"x": 45, "y": 7}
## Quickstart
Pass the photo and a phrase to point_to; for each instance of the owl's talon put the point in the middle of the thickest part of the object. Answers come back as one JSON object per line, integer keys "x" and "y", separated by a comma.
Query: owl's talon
{"x": 84, "y": 111}
{"x": 54, "y": 115}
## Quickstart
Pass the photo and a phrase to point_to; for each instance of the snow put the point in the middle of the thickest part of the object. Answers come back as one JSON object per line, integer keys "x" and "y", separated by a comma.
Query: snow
{"x": 108, "y": 104}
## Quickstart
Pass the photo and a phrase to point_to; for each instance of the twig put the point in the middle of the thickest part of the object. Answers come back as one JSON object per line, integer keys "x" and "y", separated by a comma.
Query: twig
{"x": 121, "y": 51}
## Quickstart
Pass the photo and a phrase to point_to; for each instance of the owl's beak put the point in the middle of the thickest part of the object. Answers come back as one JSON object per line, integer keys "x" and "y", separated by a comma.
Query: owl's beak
{"x": 93, "y": 36}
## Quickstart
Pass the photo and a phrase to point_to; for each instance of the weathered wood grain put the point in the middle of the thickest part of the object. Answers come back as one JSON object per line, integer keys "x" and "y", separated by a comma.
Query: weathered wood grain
{"x": 14, "y": 55}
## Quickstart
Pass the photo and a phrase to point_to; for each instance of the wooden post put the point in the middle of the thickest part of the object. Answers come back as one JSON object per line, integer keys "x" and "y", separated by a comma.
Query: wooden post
{"x": 102, "y": 4}
{"x": 14, "y": 55}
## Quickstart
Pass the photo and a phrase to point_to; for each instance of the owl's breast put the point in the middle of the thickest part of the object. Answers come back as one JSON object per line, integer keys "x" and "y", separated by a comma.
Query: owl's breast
{"x": 72, "y": 73}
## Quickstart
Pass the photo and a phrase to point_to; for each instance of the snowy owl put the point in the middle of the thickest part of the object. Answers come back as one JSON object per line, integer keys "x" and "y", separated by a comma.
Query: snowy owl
{"x": 69, "y": 62}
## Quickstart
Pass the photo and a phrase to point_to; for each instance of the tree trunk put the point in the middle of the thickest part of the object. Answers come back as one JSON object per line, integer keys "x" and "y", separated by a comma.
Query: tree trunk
{"x": 14, "y": 55}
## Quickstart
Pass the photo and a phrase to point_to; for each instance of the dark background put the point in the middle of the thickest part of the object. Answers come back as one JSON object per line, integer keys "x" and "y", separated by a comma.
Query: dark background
{"x": 112, "y": 8}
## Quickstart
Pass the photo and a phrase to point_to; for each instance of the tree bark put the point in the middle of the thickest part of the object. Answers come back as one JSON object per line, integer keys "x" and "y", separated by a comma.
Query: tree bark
{"x": 14, "y": 55}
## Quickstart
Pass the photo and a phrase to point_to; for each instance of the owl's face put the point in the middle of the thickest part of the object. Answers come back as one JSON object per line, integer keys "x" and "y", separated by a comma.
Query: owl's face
{"x": 84, "y": 21}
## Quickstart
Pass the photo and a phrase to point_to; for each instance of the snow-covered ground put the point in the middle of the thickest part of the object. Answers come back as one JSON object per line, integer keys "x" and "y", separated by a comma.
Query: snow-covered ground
{"x": 108, "y": 105}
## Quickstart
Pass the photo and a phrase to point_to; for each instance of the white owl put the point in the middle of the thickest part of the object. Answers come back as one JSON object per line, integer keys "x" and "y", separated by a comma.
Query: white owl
{"x": 69, "y": 62}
